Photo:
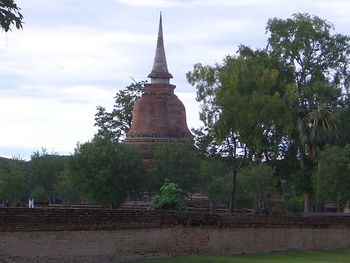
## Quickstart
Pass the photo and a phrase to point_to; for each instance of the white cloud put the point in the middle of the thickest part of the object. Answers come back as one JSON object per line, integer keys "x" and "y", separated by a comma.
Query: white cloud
{"x": 69, "y": 52}
{"x": 51, "y": 122}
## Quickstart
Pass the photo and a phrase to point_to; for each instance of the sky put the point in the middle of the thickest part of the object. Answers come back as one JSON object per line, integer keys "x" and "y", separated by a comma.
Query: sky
{"x": 73, "y": 55}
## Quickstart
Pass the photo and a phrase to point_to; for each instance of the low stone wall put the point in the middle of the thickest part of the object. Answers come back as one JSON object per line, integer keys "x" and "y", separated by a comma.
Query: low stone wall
{"x": 102, "y": 235}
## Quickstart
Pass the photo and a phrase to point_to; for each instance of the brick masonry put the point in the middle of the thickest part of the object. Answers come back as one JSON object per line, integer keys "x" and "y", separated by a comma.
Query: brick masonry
{"x": 103, "y": 235}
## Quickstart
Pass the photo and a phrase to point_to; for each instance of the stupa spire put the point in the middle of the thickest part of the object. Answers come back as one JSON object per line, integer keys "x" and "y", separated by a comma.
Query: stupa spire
{"x": 160, "y": 73}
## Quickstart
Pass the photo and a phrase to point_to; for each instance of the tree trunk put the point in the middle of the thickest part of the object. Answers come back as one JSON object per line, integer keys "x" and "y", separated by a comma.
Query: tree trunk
{"x": 307, "y": 195}
{"x": 318, "y": 197}
{"x": 233, "y": 188}
{"x": 307, "y": 202}
{"x": 233, "y": 156}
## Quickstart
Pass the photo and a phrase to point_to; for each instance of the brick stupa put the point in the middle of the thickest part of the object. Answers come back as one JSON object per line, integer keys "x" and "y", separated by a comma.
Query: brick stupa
{"x": 158, "y": 116}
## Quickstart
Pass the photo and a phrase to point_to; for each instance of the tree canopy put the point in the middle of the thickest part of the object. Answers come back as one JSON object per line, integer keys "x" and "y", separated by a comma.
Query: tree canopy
{"x": 106, "y": 172}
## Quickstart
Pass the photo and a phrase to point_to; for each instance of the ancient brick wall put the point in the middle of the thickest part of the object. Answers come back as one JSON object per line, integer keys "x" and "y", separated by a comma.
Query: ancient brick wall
{"x": 97, "y": 235}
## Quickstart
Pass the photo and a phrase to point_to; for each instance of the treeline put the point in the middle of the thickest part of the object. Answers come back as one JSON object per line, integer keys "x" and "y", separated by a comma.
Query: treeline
{"x": 40, "y": 178}
{"x": 107, "y": 172}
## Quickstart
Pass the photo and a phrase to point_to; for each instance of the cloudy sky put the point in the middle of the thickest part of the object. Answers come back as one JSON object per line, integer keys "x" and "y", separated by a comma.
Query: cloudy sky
{"x": 73, "y": 55}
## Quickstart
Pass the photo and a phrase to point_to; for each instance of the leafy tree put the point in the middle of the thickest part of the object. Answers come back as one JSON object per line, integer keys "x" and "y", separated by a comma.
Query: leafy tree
{"x": 306, "y": 45}
{"x": 318, "y": 63}
{"x": 169, "y": 198}
{"x": 106, "y": 172}
{"x": 175, "y": 162}
{"x": 39, "y": 194}
{"x": 14, "y": 182}
{"x": 214, "y": 179}
{"x": 116, "y": 123}
{"x": 10, "y": 15}
{"x": 333, "y": 175}
{"x": 257, "y": 184}
{"x": 244, "y": 107}
{"x": 44, "y": 172}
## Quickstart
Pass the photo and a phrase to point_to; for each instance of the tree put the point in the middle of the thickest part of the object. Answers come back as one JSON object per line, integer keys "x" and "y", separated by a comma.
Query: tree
{"x": 214, "y": 180}
{"x": 175, "y": 162}
{"x": 39, "y": 194}
{"x": 257, "y": 184}
{"x": 169, "y": 198}
{"x": 65, "y": 191}
{"x": 245, "y": 107}
{"x": 116, "y": 123}
{"x": 44, "y": 172}
{"x": 10, "y": 15}
{"x": 105, "y": 172}
{"x": 333, "y": 175}
{"x": 307, "y": 47}
{"x": 317, "y": 61}
{"x": 14, "y": 182}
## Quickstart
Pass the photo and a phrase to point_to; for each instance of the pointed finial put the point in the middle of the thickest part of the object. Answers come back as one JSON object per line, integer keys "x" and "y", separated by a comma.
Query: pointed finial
{"x": 160, "y": 73}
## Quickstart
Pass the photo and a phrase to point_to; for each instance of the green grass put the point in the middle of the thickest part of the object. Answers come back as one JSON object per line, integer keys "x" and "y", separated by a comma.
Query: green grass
{"x": 337, "y": 256}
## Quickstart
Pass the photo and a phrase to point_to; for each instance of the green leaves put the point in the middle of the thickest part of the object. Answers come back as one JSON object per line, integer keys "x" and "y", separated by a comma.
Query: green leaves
{"x": 305, "y": 44}
{"x": 257, "y": 184}
{"x": 116, "y": 123}
{"x": 10, "y": 15}
{"x": 333, "y": 175}
{"x": 175, "y": 162}
{"x": 169, "y": 198}
{"x": 251, "y": 100}
{"x": 106, "y": 172}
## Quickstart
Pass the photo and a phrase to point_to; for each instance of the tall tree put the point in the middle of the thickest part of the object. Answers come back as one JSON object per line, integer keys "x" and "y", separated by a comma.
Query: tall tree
{"x": 316, "y": 59}
{"x": 245, "y": 106}
{"x": 306, "y": 45}
{"x": 10, "y": 15}
{"x": 116, "y": 123}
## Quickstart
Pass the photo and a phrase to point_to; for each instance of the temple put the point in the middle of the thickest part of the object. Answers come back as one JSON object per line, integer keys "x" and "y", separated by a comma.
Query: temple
{"x": 158, "y": 116}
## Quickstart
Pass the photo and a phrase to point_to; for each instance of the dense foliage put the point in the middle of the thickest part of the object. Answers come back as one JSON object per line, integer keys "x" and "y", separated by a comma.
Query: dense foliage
{"x": 176, "y": 163}
{"x": 105, "y": 172}
{"x": 37, "y": 178}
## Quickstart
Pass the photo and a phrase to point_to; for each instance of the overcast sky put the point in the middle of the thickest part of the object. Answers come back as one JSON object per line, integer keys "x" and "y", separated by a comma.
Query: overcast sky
{"x": 73, "y": 55}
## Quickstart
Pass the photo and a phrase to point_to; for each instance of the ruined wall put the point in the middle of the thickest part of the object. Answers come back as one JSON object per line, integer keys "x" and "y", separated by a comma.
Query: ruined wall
{"x": 94, "y": 235}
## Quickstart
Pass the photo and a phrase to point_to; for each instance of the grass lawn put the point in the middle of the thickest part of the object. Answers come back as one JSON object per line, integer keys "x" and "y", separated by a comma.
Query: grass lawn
{"x": 273, "y": 257}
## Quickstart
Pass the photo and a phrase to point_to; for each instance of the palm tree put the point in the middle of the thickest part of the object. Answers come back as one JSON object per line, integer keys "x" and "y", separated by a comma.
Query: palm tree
{"x": 321, "y": 124}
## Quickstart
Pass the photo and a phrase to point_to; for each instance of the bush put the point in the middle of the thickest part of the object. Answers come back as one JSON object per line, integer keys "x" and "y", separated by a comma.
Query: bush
{"x": 169, "y": 198}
